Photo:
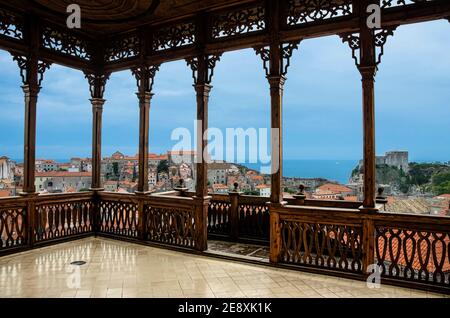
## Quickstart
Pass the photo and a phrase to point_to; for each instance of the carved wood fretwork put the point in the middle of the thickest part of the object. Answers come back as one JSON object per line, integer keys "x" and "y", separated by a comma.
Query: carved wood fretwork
{"x": 322, "y": 245}
{"x": 379, "y": 36}
{"x": 174, "y": 36}
{"x": 170, "y": 225}
{"x": 211, "y": 61}
{"x": 219, "y": 218}
{"x": 12, "y": 227}
{"x": 120, "y": 218}
{"x": 308, "y": 11}
{"x": 286, "y": 50}
{"x": 123, "y": 48}
{"x": 58, "y": 220}
{"x": 411, "y": 255}
{"x": 23, "y": 63}
{"x": 396, "y": 3}
{"x": 11, "y": 25}
{"x": 145, "y": 76}
{"x": 97, "y": 83}
{"x": 237, "y": 22}
{"x": 65, "y": 43}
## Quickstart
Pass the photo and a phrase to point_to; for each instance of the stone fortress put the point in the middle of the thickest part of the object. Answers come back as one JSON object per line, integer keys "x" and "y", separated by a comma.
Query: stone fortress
{"x": 398, "y": 159}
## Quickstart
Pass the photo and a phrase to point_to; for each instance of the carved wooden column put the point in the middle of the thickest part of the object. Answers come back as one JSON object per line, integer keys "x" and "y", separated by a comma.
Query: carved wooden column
{"x": 276, "y": 61}
{"x": 97, "y": 83}
{"x": 370, "y": 44}
{"x": 203, "y": 69}
{"x": 367, "y": 42}
{"x": 31, "y": 71}
{"x": 145, "y": 76}
{"x": 276, "y": 58}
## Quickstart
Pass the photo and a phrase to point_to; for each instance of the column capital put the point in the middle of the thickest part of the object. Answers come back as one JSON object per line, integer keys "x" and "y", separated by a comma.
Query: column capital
{"x": 31, "y": 91}
{"x": 368, "y": 72}
{"x": 204, "y": 89}
{"x": 276, "y": 81}
{"x": 97, "y": 83}
{"x": 144, "y": 97}
{"x": 97, "y": 103}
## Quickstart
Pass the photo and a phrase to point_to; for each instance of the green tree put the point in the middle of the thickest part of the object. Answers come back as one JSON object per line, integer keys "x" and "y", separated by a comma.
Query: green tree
{"x": 116, "y": 169}
{"x": 134, "y": 174}
{"x": 163, "y": 166}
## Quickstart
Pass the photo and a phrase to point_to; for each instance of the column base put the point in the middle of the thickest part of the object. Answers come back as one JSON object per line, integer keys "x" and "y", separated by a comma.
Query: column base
{"x": 369, "y": 209}
{"x": 28, "y": 194}
{"x": 96, "y": 189}
{"x": 143, "y": 192}
{"x": 276, "y": 204}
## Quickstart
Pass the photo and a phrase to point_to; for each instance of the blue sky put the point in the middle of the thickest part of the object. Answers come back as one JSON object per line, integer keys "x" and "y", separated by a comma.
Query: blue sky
{"x": 322, "y": 110}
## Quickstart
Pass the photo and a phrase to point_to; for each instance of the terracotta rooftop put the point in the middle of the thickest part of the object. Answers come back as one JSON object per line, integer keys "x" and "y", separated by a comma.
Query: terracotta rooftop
{"x": 334, "y": 188}
{"x": 56, "y": 174}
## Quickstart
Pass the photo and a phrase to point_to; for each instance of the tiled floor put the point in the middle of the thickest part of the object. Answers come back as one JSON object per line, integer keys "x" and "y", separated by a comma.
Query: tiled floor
{"x": 118, "y": 269}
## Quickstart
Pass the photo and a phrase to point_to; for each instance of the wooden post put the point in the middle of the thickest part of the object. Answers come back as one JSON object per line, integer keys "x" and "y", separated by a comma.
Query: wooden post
{"x": 203, "y": 70}
{"x": 32, "y": 72}
{"x": 276, "y": 80}
{"x": 234, "y": 213}
{"x": 275, "y": 237}
{"x": 368, "y": 245}
{"x": 97, "y": 115}
{"x": 145, "y": 78}
{"x": 97, "y": 83}
{"x": 368, "y": 68}
{"x": 276, "y": 62}
{"x": 201, "y": 193}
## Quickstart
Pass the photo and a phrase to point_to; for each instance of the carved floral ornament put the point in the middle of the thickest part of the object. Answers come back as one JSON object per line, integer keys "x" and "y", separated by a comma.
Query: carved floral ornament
{"x": 145, "y": 76}
{"x": 24, "y": 66}
{"x": 379, "y": 37}
{"x": 97, "y": 83}
{"x": 11, "y": 25}
{"x": 210, "y": 61}
{"x": 286, "y": 49}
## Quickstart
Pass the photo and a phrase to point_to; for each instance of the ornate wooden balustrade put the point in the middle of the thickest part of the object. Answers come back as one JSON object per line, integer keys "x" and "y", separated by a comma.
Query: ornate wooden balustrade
{"x": 330, "y": 237}
{"x": 62, "y": 216}
{"x": 408, "y": 250}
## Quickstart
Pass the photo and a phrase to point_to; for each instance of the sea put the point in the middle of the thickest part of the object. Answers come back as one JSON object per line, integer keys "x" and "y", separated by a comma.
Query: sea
{"x": 333, "y": 170}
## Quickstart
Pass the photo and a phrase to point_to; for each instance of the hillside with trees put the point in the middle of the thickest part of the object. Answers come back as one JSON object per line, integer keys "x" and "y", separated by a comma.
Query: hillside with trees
{"x": 432, "y": 178}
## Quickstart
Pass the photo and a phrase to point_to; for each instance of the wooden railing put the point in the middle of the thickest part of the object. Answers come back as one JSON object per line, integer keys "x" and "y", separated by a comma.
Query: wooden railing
{"x": 409, "y": 250}
{"x": 35, "y": 220}
{"x": 247, "y": 218}
{"x": 13, "y": 224}
{"x": 237, "y": 216}
{"x": 405, "y": 249}
{"x": 166, "y": 219}
{"x": 413, "y": 250}
{"x": 62, "y": 216}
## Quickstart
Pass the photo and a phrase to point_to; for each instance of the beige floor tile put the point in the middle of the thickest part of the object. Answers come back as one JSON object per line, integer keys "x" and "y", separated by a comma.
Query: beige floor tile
{"x": 118, "y": 269}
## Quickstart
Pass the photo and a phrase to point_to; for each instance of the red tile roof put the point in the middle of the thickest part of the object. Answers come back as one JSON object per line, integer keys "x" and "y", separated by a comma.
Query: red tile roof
{"x": 63, "y": 174}
{"x": 334, "y": 188}
{"x": 412, "y": 251}
{"x": 4, "y": 193}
